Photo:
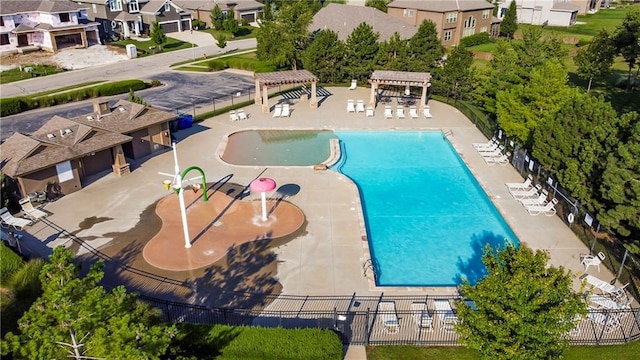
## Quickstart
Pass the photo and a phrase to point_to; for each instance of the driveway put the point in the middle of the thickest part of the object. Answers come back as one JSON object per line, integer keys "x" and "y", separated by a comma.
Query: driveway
{"x": 199, "y": 38}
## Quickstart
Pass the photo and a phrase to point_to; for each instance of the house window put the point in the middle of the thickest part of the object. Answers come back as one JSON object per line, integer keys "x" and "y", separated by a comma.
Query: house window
{"x": 483, "y": 29}
{"x": 4, "y": 39}
{"x": 447, "y": 35}
{"x": 115, "y": 5}
{"x": 64, "y": 17}
{"x": 1, "y": 20}
{"x": 133, "y": 6}
{"x": 469, "y": 26}
{"x": 167, "y": 6}
{"x": 485, "y": 14}
{"x": 409, "y": 13}
{"x": 451, "y": 17}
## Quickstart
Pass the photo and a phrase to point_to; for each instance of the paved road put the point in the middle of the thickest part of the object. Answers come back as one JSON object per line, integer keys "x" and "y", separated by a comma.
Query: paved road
{"x": 141, "y": 68}
{"x": 182, "y": 91}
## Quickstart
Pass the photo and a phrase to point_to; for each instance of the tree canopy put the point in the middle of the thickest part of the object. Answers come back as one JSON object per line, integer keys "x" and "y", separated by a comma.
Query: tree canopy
{"x": 77, "y": 317}
{"x": 157, "y": 34}
{"x": 378, "y": 4}
{"x": 425, "y": 48}
{"x": 324, "y": 55}
{"x": 595, "y": 60}
{"x": 360, "y": 53}
{"x": 392, "y": 54}
{"x": 217, "y": 17}
{"x": 522, "y": 309}
{"x": 457, "y": 74}
{"x": 509, "y": 23}
{"x": 627, "y": 43}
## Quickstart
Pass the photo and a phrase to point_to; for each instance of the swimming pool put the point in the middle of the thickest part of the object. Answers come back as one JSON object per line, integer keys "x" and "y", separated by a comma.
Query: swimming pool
{"x": 427, "y": 217}
{"x": 278, "y": 147}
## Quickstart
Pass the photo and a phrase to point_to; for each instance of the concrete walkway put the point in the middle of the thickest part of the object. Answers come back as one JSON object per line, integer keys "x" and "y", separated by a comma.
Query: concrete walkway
{"x": 200, "y": 38}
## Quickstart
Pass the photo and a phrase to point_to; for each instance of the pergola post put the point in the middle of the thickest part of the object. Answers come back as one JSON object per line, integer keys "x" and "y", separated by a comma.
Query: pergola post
{"x": 423, "y": 97}
{"x": 314, "y": 103}
{"x": 372, "y": 97}
{"x": 265, "y": 99}
{"x": 403, "y": 78}
{"x": 258, "y": 97}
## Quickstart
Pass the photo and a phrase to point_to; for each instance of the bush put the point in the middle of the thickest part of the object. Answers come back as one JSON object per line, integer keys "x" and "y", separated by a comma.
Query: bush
{"x": 216, "y": 65}
{"x": 155, "y": 83}
{"x": 477, "y": 39}
{"x": 582, "y": 42}
{"x": 10, "y": 262}
{"x": 11, "y": 106}
{"x": 227, "y": 342}
{"x": 198, "y": 24}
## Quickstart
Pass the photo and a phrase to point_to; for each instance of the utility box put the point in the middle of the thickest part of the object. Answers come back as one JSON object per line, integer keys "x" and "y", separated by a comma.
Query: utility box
{"x": 132, "y": 51}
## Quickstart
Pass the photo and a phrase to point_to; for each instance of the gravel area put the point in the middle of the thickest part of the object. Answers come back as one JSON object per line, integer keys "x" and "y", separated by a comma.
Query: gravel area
{"x": 71, "y": 59}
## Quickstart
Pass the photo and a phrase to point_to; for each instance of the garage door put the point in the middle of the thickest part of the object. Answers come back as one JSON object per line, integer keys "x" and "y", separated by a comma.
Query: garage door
{"x": 185, "y": 25}
{"x": 169, "y": 27}
{"x": 249, "y": 17}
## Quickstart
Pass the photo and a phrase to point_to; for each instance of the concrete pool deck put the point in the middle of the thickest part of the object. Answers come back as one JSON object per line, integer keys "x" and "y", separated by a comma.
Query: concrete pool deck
{"x": 328, "y": 256}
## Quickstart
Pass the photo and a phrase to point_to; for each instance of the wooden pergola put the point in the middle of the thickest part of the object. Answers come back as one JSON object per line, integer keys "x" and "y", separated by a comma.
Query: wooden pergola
{"x": 404, "y": 78}
{"x": 265, "y": 80}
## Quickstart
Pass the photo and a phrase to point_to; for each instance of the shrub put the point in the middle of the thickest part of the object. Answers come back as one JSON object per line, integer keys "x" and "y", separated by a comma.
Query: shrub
{"x": 155, "y": 83}
{"x": 11, "y": 106}
{"x": 216, "y": 65}
{"x": 10, "y": 262}
{"x": 198, "y": 24}
{"x": 477, "y": 39}
{"x": 582, "y": 42}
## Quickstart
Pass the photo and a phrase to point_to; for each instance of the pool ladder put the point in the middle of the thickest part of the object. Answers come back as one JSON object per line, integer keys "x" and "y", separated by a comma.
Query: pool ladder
{"x": 447, "y": 133}
{"x": 368, "y": 270}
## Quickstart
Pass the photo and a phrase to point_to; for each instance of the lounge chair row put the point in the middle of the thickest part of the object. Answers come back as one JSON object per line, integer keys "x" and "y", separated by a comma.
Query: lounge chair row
{"x": 422, "y": 315}
{"x": 492, "y": 152}
{"x": 240, "y": 115}
{"x": 282, "y": 111}
{"x": 413, "y": 112}
{"x": 533, "y": 197}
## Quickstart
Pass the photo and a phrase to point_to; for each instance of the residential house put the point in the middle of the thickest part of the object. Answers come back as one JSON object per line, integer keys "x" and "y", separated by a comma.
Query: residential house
{"x": 44, "y": 24}
{"x": 63, "y": 153}
{"x": 247, "y": 10}
{"x": 454, "y": 19}
{"x": 133, "y": 18}
{"x": 343, "y": 19}
{"x": 546, "y": 12}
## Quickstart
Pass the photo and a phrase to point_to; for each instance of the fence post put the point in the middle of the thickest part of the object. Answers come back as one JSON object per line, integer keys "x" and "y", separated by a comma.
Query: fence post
{"x": 624, "y": 258}
{"x": 213, "y": 102}
{"x": 595, "y": 239}
{"x": 366, "y": 329}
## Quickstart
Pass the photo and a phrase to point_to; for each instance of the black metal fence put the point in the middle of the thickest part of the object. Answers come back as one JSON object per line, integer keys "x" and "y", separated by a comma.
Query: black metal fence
{"x": 388, "y": 320}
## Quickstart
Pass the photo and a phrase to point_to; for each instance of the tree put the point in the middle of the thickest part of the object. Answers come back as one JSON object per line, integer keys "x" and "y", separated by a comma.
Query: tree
{"x": 627, "y": 40}
{"x": 620, "y": 185}
{"x": 157, "y": 35}
{"x": 324, "y": 55}
{"x": 378, "y": 4}
{"x": 509, "y": 23}
{"x": 522, "y": 107}
{"x": 425, "y": 48}
{"x": 231, "y": 25}
{"x": 596, "y": 60}
{"x": 136, "y": 99}
{"x": 392, "y": 54}
{"x": 283, "y": 40}
{"x": 523, "y": 308}
{"x": 76, "y": 317}
{"x": 217, "y": 18}
{"x": 221, "y": 41}
{"x": 361, "y": 49}
{"x": 457, "y": 73}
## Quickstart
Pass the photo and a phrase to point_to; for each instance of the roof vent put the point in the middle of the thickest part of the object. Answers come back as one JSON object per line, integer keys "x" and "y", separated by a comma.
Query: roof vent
{"x": 51, "y": 136}
{"x": 90, "y": 117}
{"x": 122, "y": 109}
{"x": 68, "y": 131}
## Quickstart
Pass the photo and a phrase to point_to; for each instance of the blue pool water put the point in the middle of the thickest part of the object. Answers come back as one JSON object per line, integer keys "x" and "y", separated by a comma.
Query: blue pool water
{"x": 427, "y": 217}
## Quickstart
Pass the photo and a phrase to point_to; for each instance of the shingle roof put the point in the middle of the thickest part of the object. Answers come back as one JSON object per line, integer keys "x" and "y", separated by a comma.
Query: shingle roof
{"x": 10, "y": 7}
{"x": 441, "y": 5}
{"x": 565, "y": 7}
{"x": 61, "y": 139}
{"x": 240, "y": 5}
{"x": 285, "y": 77}
{"x": 343, "y": 19}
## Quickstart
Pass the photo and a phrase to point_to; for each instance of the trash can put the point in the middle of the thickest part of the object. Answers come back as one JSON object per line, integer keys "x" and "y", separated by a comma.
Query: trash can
{"x": 185, "y": 121}
{"x": 132, "y": 51}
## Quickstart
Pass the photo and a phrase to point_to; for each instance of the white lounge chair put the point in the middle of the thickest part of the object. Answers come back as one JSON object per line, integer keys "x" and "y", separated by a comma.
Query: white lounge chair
{"x": 521, "y": 186}
{"x": 548, "y": 209}
{"x": 388, "y": 113}
{"x": 31, "y": 212}
{"x": 501, "y": 160}
{"x": 242, "y": 115}
{"x": 370, "y": 111}
{"x": 286, "y": 111}
{"x": 400, "y": 112}
{"x": 278, "y": 111}
{"x": 413, "y": 112}
{"x": 389, "y": 316}
{"x": 421, "y": 316}
{"x": 8, "y": 220}
{"x": 354, "y": 84}
{"x": 233, "y": 116}
{"x": 426, "y": 113}
{"x": 448, "y": 318}
{"x": 523, "y": 194}
{"x": 360, "y": 106}
{"x": 485, "y": 144}
{"x": 540, "y": 200}
{"x": 351, "y": 106}
{"x": 591, "y": 260}
{"x": 491, "y": 152}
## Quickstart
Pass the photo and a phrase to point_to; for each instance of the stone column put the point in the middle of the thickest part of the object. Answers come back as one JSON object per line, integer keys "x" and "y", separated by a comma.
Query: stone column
{"x": 265, "y": 99}
{"x": 372, "y": 97}
{"x": 314, "y": 103}
{"x": 258, "y": 98}
{"x": 423, "y": 97}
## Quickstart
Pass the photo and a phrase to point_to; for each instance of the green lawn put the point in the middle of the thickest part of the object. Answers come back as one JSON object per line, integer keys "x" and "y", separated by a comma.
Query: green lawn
{"x": 16, "y": 74}
{"x": 245, "y": 32}
{"x": 603, "y": 19}
{"x": 610, "y": 352}
{"x": 147, "y": 47}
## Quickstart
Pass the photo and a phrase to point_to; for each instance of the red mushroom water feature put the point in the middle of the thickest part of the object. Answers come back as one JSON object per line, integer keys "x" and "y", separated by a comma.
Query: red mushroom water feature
{"x": 263, "y": 185}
